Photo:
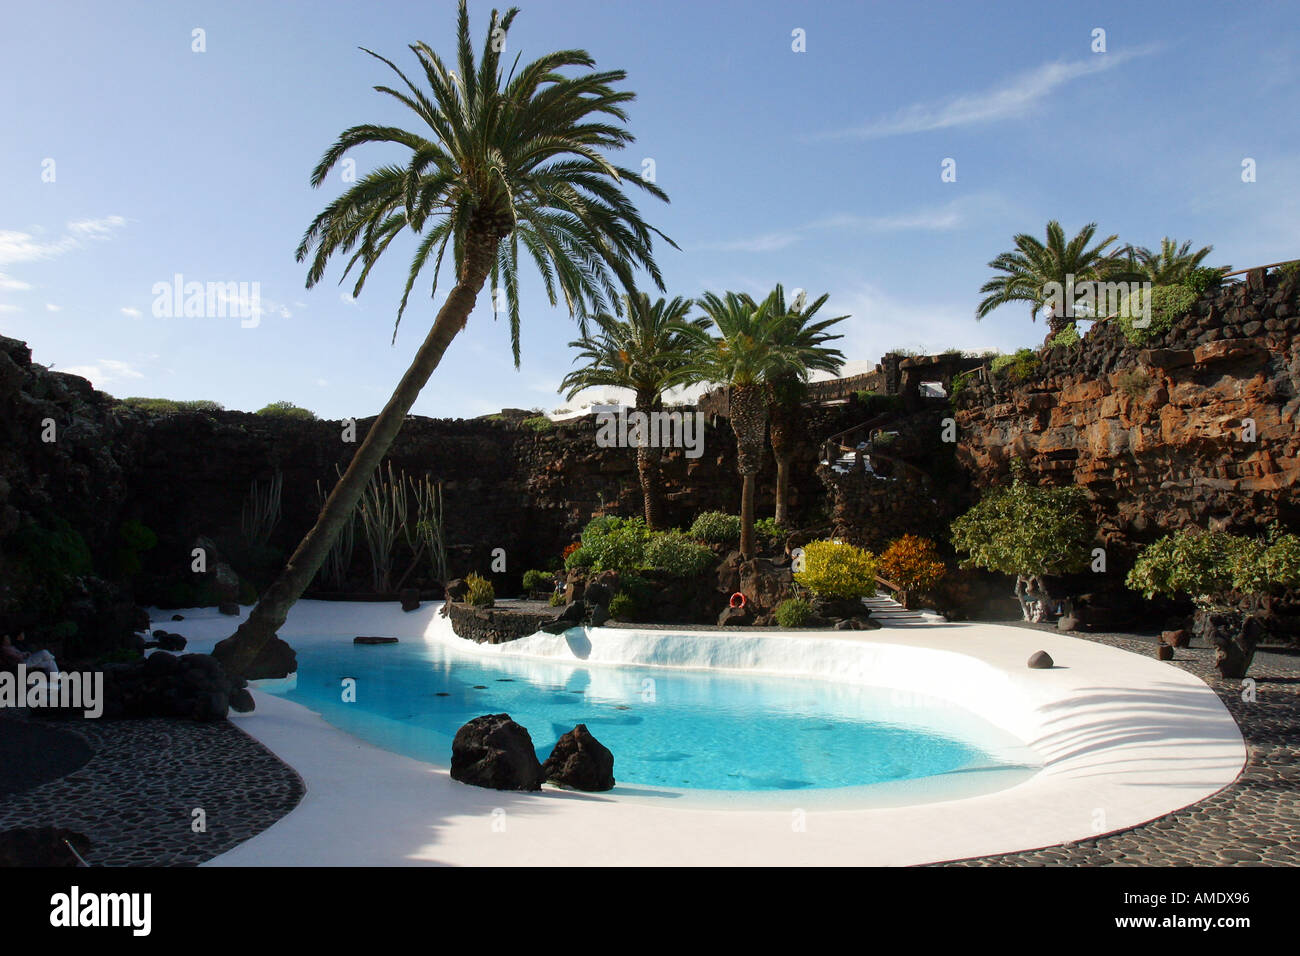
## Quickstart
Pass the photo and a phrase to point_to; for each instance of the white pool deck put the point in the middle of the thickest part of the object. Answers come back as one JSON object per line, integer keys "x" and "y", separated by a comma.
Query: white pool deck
{"x": 1123, "y": 739}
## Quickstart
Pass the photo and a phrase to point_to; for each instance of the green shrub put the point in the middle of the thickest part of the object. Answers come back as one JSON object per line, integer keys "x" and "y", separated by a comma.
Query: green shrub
{"x": 961, "y": 382}
{"x": 678, "y": 555}
{"x": 556, "y": 599}
{"x": 1289, "y": 268}
{"x": 1068, "y": 338}
{"x": 768, "y": 528}
{"x": 582, "y": 558}
{"x": 714, "y": 527}
{"x": 287, "y": 410}
{"x": 836, "y": 570}
{"x": 616, "y": 544}
{"x": 622, "y": 607}
{"x": 538, "y": 423}
{"x": 136, "y": 538}
{"x": 480, "y": 591}
{"x": 1015, "y": 368}
{"x": 536, "y": 580}
{"x": 1202, "y": 278}
{"x": 1026, "y": 530}
{"x": 601, "y": 525}
{"x": 793, "y": 612}
{"x": 1168, "y": 303}
{"x": 47, "y": 560}
{"x": 1206, "y": 565}
{"x": 874, "y": 403}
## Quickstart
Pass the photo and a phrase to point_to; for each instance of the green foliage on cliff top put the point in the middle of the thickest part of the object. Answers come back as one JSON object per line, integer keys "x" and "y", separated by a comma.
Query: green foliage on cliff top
{"x": 1015, "y": 368}
{"x": 1167, "y": 303}
{"x": 169, "y": 406}
{"x": 285, "y": 409}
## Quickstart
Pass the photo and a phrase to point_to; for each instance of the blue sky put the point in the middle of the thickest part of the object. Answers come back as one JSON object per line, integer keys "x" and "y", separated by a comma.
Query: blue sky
{"x": 818, "y": 169}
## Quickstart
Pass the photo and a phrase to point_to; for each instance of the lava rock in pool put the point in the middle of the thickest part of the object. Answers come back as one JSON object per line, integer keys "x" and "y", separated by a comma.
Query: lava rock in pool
{"x": 494, "y": 752}
{"x": 1041, "y": 660}
{"x": 374, "y": 640}
{"x": 410, "y": 599}
{"x": 581, "y": 762}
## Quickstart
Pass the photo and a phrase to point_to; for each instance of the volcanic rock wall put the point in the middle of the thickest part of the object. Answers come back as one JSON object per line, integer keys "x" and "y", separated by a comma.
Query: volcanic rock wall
{"x": 1195, "y": 427}
{"x": 188, "y": 474}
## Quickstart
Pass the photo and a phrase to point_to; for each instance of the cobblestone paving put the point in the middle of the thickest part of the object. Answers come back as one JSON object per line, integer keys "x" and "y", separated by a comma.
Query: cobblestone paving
{"x": 1253, "y": 822}
{"x": 135, "y": 797}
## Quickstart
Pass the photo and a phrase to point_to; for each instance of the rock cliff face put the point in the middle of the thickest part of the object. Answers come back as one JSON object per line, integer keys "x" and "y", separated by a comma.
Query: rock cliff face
{"x": 187, "y": 475}
{"x": 1196, "y": 426}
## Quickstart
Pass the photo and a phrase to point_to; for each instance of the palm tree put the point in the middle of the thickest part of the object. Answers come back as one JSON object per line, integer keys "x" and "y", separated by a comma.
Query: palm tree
{"x": 499, "y": 163}
{"x": 648, "y": 352}
{"x": 1033, "y": 266}
{"x": 789, "y": 389}
{"x": 1172, "y": 264}
{"x": 752, "y": 349}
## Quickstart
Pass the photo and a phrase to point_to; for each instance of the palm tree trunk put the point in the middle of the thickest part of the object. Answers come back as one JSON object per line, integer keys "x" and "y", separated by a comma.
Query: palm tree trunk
{"x": 239, "y": 653}
{"x": 783, "y": 426}
{"x": 647, "y": 466}
{"x": 748, "y": 410}
{"x": 747, "y": 515}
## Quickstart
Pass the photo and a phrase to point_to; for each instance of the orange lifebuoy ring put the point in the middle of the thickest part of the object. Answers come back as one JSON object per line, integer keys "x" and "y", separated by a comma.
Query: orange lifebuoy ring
{"x": 733, "y": 602}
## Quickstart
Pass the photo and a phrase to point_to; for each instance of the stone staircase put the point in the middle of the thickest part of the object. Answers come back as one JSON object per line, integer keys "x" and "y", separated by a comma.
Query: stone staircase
{"x": 892, "y": 614}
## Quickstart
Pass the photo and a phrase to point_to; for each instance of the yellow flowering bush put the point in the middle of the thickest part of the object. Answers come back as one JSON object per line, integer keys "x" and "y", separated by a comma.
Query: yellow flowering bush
{"x": 834, "y": 570}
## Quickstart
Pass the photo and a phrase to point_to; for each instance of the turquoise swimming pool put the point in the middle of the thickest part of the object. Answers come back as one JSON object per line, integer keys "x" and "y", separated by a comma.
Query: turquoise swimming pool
{"x": 680, "y": 729}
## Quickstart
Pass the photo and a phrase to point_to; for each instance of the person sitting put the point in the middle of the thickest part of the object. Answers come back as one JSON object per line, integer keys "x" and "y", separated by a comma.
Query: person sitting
{"x": 12, "y": 656}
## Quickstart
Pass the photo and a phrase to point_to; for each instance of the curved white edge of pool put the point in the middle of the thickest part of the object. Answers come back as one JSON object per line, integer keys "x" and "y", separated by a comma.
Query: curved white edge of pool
{"x": 1124, "y": 739}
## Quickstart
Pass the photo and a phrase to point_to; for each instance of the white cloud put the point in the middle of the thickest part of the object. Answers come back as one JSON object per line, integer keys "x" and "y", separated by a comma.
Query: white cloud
{"x": 943, "y": 218}
{"x": 347, "y": 299}
{"x": 133, "y": 313}
{"x": 769, "y": 242}
{"x": 4, "y": 307}
{"x": 10, "y": 284}
{"x": 1010, "y": 99}
{"x": 51, "y": 307}
{"x": 24, "y": 247}
{"x": 880, "y": 321}
{"x": 105, "y": 371}
{"x": 96, "y": 228}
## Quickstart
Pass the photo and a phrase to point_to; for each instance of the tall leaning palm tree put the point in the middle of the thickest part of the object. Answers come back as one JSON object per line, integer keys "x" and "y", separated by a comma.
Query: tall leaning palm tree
{"x": 807, "y": 338}
{"x": 1171, "y": 264}
{"x": 649, "y": 353}
{"x": 1033, "y": 265}
{"x": 751, "y": 349}
{"x": 498, "y": 162}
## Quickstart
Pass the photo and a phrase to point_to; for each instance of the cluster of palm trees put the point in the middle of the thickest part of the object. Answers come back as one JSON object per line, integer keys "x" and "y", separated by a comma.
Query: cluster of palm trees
{"x": 762, "y": 352}
{"x": 1033, "y": 266}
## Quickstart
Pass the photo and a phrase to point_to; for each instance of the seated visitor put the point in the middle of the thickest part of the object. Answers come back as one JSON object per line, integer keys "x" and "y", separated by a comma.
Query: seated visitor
{"x": 11, "y": 656}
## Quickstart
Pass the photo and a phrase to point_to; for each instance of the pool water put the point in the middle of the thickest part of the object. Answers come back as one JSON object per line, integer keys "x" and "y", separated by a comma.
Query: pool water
{"x": 706, "y": 730}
